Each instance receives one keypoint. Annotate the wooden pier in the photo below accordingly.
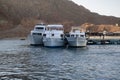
(100, 40)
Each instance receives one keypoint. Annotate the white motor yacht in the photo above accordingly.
(36, 35)
(76, 38)
(54, 36)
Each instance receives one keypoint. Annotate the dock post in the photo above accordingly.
(104, 33)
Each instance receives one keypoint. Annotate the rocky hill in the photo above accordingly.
(26, 13)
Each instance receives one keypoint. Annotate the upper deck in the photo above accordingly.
(40, 27)
(54, 27)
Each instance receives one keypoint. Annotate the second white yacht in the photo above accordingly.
(53, 36)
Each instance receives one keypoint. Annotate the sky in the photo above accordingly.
(103, 7)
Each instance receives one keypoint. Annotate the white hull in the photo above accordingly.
(76, 42)
(36, 40)
(53, 42)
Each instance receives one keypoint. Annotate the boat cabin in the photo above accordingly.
(40, 27)
(54, 31)
(76, 32)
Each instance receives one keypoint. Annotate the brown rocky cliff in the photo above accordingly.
(101, 28)
(27, 12)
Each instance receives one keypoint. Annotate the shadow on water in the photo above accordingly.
(19, 61)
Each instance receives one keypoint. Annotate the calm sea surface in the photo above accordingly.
(19, 61)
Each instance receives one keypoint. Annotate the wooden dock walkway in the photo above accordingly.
(99, 40)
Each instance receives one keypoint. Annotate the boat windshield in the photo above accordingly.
(39, 28)
(81, 35)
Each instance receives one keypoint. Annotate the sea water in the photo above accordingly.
(20, 61)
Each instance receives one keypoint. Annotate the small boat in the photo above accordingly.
(53, 36)
(76, 38)
(36, 35)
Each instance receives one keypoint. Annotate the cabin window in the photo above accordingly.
(39, 28)
(68, 35)
(34, 33)
(77, 35)
(72, 35)
(52, 34)
(39, 33)
(81, 35)
(44, 34)
(61, 35)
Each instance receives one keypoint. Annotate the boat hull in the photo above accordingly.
(53, 42)
(76, 42)
(36, 40)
